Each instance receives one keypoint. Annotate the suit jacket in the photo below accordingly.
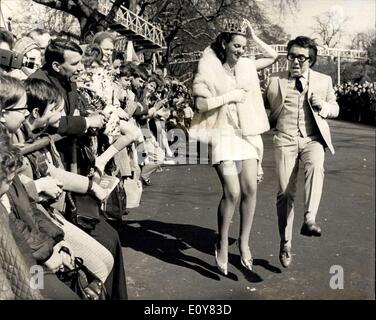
(319, 84)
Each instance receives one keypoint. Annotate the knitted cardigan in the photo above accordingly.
(211, 80)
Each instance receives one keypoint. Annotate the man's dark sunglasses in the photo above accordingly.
(301, 58)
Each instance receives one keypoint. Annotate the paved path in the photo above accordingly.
(168, 241)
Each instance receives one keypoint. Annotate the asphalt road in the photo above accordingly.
(168, 242)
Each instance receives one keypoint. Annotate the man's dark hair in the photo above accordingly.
(6, 36)
(56, 47)
(40, 93)
(307, 43)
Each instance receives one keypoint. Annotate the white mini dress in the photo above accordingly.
(228, 144)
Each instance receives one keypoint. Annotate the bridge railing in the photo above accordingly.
(133, 22)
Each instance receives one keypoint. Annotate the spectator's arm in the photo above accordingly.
(72, 126)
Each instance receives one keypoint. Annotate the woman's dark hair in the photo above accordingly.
(93, 53)
(158, 81)
(40, 94)
(307, 43)
(142, 72)
(217, 45)
(11, 91)
(126, 69)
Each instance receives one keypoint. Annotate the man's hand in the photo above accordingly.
(96, 120)
(316, 101)
(49, 186)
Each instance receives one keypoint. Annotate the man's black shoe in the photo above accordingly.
(285, 256)
(310, 229)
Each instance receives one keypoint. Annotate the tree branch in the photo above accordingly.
(216, 14)
(197, 35)
(67, 6)
(145, 4)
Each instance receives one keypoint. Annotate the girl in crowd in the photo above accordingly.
(231, 115)
(99, 90)
(15, 284)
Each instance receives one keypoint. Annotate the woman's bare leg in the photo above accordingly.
(228, 176)
(248, 186)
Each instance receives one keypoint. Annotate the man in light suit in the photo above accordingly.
(300, 100)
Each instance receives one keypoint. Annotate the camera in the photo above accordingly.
(14, 60)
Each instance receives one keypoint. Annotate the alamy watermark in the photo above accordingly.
(36, 279)
(336, 281)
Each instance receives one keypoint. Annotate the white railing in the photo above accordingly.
(131, 21)
(281, 49)
(343, 53)
(326, 52)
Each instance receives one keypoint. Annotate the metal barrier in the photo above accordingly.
(191, 57)
(39, 144)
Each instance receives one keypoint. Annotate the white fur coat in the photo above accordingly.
(211, 80)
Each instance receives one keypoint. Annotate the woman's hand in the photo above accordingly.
(55, 262)
(49, 186)
(252, 31)
(237, 95)
(100, 193)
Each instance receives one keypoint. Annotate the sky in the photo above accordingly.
(361, 13)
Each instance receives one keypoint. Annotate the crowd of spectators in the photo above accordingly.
(99, 122)
(357, 101)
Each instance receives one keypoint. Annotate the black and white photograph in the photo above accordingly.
(187, 154)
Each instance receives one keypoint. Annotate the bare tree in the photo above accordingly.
(363, 40)
(330, 28)
(188, 25)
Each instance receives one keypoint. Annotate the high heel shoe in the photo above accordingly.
(248, 264)
(222, 268)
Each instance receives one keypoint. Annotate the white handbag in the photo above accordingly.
(133, 191)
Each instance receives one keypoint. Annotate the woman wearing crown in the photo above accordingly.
(230, 118)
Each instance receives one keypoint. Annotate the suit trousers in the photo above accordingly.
(288, 152)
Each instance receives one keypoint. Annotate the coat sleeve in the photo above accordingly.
(40, 245)
(72, 126)
(331, 99)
